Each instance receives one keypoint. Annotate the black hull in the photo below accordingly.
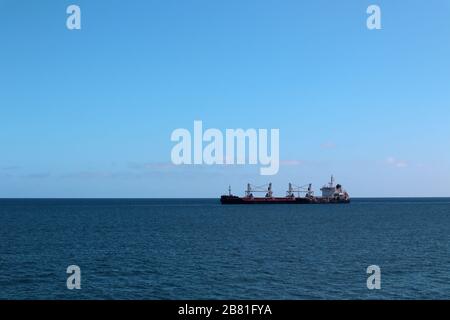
(314, 200)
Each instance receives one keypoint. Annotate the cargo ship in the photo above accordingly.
(331, 194)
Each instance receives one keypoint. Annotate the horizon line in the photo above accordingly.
(194, 198)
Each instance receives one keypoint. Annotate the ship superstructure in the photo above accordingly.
(333, 191)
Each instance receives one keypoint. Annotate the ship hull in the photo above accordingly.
(285, 200)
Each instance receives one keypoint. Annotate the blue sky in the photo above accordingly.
(89, 113)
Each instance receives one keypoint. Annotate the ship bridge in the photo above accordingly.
(329, 189)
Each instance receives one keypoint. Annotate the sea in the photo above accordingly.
(200, 249)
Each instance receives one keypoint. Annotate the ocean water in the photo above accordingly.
(199, 249)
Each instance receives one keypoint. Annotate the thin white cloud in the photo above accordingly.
(291, 162)
(9, 168)
(328, 145)
(150, 165)
(394, 162)
(42, 175)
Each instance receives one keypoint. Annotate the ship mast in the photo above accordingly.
(290, 191)
(269, 191)
(310, 193)
(248, 192)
